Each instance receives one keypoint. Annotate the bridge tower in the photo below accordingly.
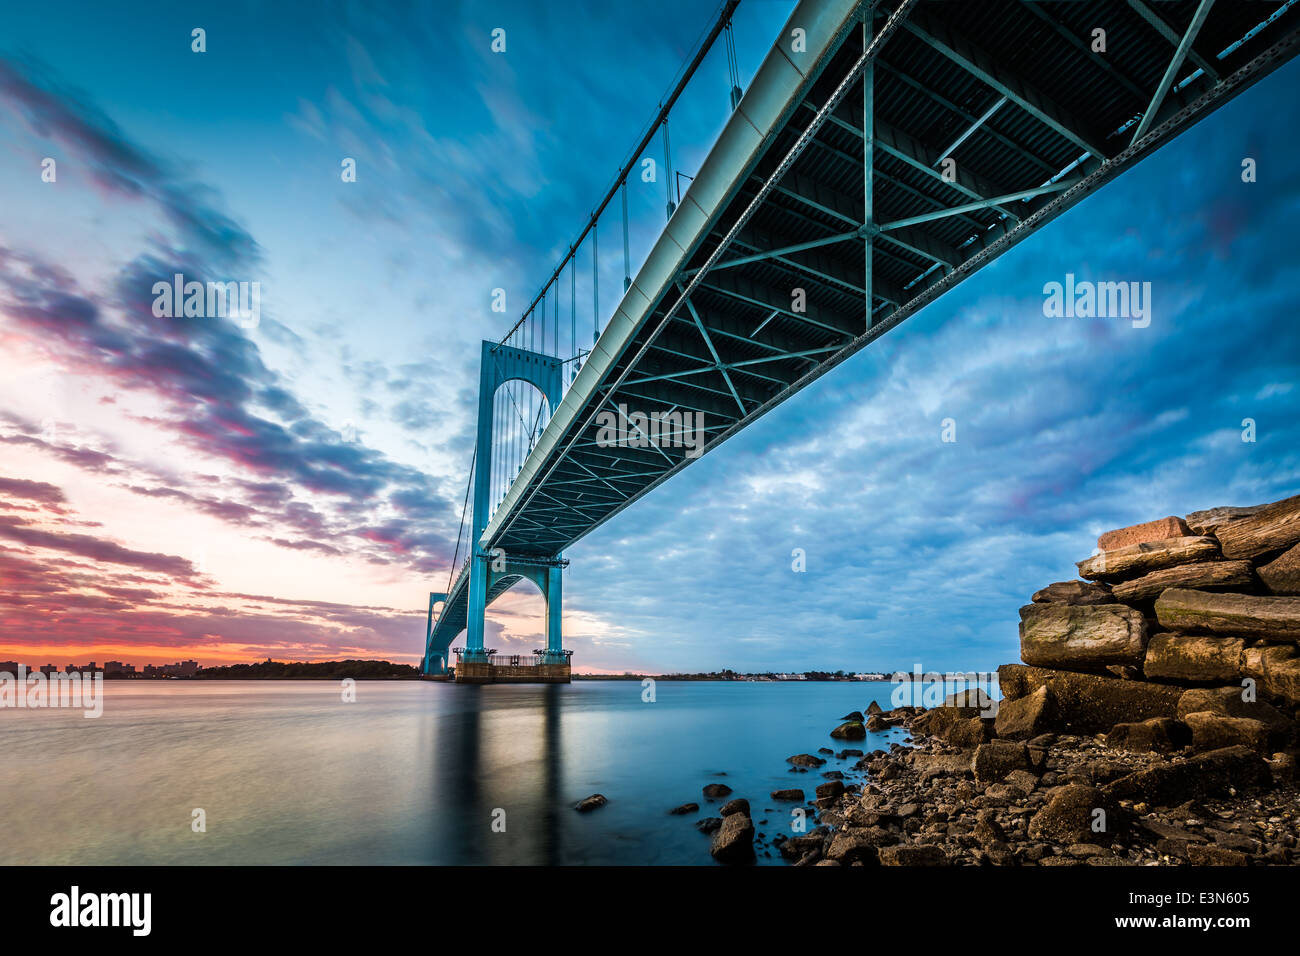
(494, 569)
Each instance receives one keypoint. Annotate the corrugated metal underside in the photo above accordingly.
(739, 346)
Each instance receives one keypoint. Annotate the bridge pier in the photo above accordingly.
(490, 571)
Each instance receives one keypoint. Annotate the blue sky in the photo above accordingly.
(293, 490)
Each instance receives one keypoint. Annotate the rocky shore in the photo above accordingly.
(1152, 721)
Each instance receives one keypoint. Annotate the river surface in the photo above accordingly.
(412, 772)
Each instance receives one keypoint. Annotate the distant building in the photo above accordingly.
(49, 670)
(118, 668)
(9, 667)
(179, 669)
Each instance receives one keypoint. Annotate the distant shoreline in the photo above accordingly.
(387, 670)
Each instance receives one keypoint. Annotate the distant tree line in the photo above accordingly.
(322, 670)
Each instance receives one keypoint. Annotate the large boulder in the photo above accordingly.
(1194, 658)
(1091, 703)
(1202, 574)
(1029, 716)
(1081, 638)
(969, 734)
(1271, 528)
(973, 700)
(859, 844)
(1230, 702)
(1282, 574)
(913, 854)
(1212, 731)
(831, 789)
(1157, 530)
(1073, 814)
(992, 761)
(733, 842)
(939, 721)
(1209, 522)
(1074, 592)
(1138, 559)
(1206, 775)
(1157, 735)
(1275, 669)
(1237, 615)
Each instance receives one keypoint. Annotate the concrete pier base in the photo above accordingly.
(485, 672)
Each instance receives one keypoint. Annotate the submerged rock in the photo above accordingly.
(803, 760)
(715, 791)
(684, 809)
(593, 802)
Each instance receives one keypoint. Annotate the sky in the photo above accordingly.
(192, 488)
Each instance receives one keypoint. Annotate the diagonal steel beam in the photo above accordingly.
(1097, 59)
(1057, 186)
(717, 360)
(985, 67)
(783, 251)
(1158, 23)
(1175, 64)
(969, 131)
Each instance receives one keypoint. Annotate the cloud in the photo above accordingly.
(96, 549)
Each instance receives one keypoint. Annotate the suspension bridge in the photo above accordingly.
(883, 152)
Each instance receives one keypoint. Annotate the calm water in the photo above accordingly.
(411, 773)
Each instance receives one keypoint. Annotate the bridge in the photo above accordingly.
(884, 151)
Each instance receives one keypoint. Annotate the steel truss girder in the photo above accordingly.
(986, 68)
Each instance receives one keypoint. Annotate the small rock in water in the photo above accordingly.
(855, 715)
(715, 790)
(804, 760)
(850, 730)
(593, 802)
(708, 824)
(684, 808)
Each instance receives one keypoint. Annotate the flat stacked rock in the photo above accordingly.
(1153, 719)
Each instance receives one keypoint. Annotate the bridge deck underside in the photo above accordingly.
(1011, 91)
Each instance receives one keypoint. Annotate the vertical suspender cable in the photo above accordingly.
(627, 255)
(595, 284)
(733, 67)
(668, 169)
